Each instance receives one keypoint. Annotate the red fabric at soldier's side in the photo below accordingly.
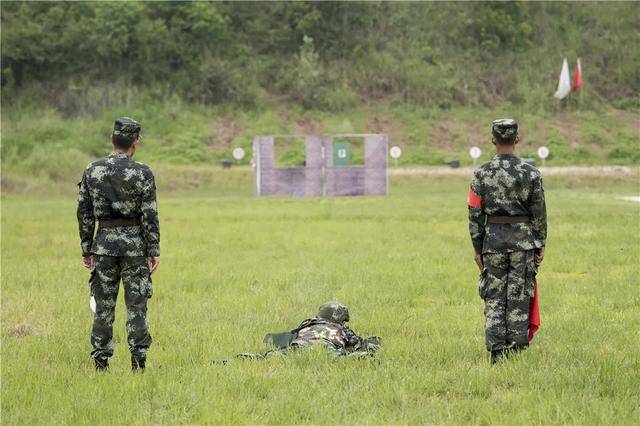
(534, 312)
(474, 200)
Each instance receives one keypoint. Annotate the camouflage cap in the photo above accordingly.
(504, 128)
(128, 127)
(334, 312)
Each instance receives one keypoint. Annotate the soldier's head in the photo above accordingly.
(334, 312)
(126, 134)
(504, 132)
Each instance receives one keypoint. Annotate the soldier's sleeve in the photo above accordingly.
(150, 223)
(476, 214)
(86, 220)
(538, 210)
(352, 340)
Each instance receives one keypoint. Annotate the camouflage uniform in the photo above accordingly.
(507, 187)
(117, 188)
(328, 328)
(337, 337)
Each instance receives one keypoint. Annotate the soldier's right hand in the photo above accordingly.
(539, 257)
(153, 262)
(88, 262)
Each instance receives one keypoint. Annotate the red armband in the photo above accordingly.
(474, 200)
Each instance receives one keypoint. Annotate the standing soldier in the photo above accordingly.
(508, 226)
(121, 195)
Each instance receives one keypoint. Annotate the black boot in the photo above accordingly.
(520, 347)
(102, 364)
(513, 349)
(496, 356)
(137, 364)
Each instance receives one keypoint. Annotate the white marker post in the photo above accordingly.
(238, 154)
(395, 152)
(475, 153)
(543, 153)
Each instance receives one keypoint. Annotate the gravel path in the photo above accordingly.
(632, 198)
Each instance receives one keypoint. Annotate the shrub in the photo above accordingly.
(314, 86)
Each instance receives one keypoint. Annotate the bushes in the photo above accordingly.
(629, 104)
(315, 86)
(219, 82)
(435, 55)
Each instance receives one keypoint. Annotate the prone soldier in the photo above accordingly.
(120, 194)
(508, 227)
(329, 328)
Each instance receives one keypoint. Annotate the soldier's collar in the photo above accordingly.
(116, 154)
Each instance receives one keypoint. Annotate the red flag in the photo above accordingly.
(534, 312)
(577, 78)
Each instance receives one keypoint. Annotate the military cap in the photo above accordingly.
(127, 127)
(504, 129)
(334, 312)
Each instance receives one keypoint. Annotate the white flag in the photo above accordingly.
(564, 85)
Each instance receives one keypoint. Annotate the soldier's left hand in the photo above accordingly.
(88, 262)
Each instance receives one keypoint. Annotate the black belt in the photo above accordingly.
(112, 223)
(508, 219)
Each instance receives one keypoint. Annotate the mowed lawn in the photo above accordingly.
(234, 267)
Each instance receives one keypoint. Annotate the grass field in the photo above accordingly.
(235, 267)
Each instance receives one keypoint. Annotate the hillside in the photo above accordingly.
(206, 77)
(43, 145)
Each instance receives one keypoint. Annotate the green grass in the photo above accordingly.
(235, 267)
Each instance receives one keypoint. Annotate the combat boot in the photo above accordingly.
(513, 349)
(138, 364)
(102, 364)
(496, 356)
(520, 347)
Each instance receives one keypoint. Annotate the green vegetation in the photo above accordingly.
(323, 55)
(205, 77)
(236, 267)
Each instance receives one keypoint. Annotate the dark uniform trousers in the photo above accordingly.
(105, 283)
(507, 285)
